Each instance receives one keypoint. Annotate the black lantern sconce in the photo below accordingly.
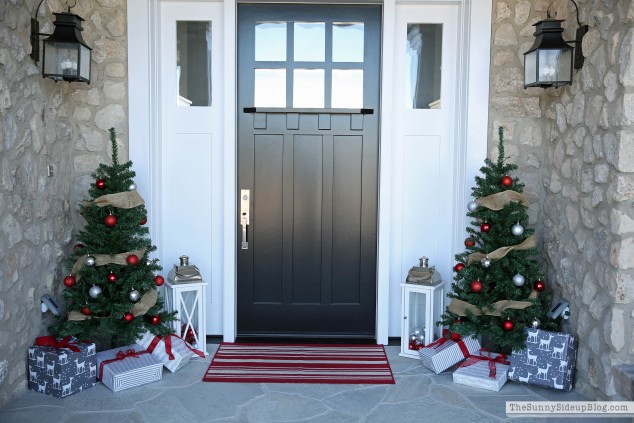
(549, 62)
(66, 56)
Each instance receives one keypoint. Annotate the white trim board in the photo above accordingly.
(144, 135)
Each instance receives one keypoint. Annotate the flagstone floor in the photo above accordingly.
(418, 396)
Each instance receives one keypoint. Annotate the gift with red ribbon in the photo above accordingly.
(486, 370)
(448, 350)
(172, 350)
(123, 368)
(61, 366)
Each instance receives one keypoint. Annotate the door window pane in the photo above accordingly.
(424, 55)
(347, 42)
(270, 88)
(193, 63)
(309, 41)
(308, 88)
(270, 41)
(347, 88)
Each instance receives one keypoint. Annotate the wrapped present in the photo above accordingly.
(444, 352)
(171, 350)
(547, 360)
(61, 367)
(487, 370)
(127, 367)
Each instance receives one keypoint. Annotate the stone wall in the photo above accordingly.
(44, 124)
(575, 149)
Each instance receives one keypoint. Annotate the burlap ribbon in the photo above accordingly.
(122, 200)
(529, 242)
(104, 259)
(147, 301)
(499, 200)
(460, 307)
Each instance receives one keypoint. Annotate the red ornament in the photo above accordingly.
(455, 336)
(476, 286)
(412, 345)
(110, 220)
(86, 311)
(156, 320)
(100, 183)
(78, 246)
(143, 221)
(132, 260)
(458, 267)
(190, 336)
(507, 181)
(419, 347)
(508, 325)
(128, 317)
(485, 227)
(112, 278)
(469, 242)
(70, 281)
(159, 280)
(539, 285)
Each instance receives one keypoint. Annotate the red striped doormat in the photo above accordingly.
(285, 363)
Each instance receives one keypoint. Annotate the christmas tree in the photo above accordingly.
(111, 290)
(498, 288)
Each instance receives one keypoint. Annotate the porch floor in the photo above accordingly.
(418, 395)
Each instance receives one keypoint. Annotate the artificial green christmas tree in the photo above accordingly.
(498, 287)
(111, 290)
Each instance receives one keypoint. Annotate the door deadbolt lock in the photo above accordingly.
(245, 203)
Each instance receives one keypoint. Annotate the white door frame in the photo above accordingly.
(144, 135)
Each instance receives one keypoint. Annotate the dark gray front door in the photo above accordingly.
(308, 98)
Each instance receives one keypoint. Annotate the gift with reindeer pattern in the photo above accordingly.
(548, 360)
(61, 367)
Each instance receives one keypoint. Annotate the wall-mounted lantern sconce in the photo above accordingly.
(66, 55)
(549, 62)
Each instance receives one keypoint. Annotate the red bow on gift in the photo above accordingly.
(168, 345)
(121, 355)
(501, 358)
(453, 337)
(51, 341)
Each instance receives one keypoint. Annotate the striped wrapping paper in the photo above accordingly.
(477, 375)
(181, 353)
(441, 358)
(131, 371)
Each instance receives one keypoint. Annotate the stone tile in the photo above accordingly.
(425, 410)
(408, 388)
(497, 408)
(310, 390)
(359, 401)
(280, 408)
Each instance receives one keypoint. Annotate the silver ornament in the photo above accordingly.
(132, 187)
(486, 262)
(149, 262)
(90, 260)
(472, 206)
(95, 291)
(517, 229)
(421, 337)
(134, 295)
(413, 337)
(518, 280)
(535, 323)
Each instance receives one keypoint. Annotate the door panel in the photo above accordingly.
(310, 266)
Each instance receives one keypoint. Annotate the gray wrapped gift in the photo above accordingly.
(61, 367)
(548, 360)
(444, 353)
(127, 367)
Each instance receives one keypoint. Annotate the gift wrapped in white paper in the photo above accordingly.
(127, 367)
(476, 372)
(181, 353)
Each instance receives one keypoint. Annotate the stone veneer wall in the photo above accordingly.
(575, 149)
(48, 124)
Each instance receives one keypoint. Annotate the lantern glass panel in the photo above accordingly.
(530, 67)
(555, 65)
(84, 69)
(60, 58)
